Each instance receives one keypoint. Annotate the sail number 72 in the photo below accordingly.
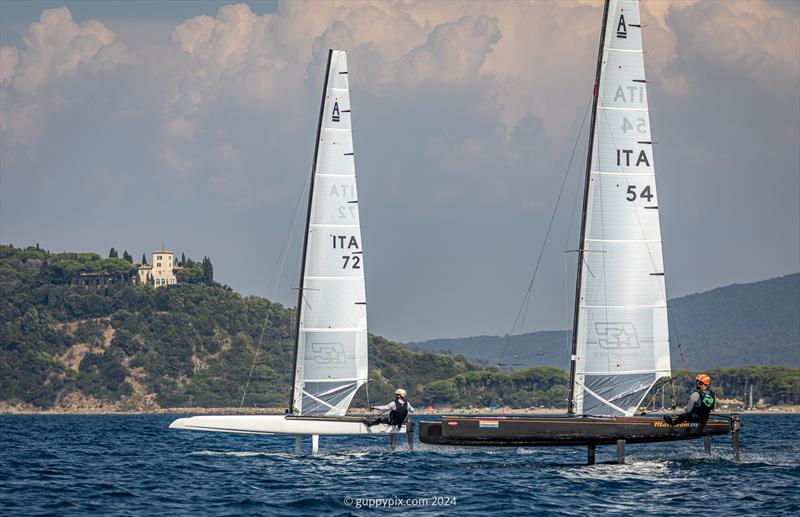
(354, 261)
(645, 193)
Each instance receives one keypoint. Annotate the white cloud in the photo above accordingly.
(182, 167)
(55, 47)
(454, 51)
(180, 127)
(756, 40)
(512, 59)
(56, 50)
(230, 176)
(9, 59)
(464, 112)
(22, 124)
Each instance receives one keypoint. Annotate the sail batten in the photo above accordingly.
(621, 339)
(621, 109)
(328, 329)
(622, 240)
(331, 344)
(604, 372)
(622, 174)
(656, 306)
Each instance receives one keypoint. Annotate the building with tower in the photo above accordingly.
(161, 270)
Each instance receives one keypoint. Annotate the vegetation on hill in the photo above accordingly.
(723, 327)
(192, 344)
(543, 386)
(187, 344)
(543, 348)
(773, 384)
(718, 328)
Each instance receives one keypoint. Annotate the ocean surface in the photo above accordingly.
(135, 465)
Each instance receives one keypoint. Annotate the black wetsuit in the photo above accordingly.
(398, 411)
(701, 403)
(398, 415)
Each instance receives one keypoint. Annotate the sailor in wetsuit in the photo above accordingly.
(700, 405)
(398, 410)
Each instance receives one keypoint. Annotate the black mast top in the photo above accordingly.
(581, 243)
(308, 222)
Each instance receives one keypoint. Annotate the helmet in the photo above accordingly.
(703, 379)
(401, 392)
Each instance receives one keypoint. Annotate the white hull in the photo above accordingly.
(280, 424)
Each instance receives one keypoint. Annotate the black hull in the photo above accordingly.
(545, 430)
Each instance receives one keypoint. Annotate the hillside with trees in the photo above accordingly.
(715, 329)
(190, 344)
(131, 346)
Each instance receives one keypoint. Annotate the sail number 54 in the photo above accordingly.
(641, 125)
(644, 193)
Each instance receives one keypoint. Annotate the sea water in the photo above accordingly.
(135, 465)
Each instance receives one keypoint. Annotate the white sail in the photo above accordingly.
(622, 341)
(331, 355)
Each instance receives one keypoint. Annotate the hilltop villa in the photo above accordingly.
(162, 270)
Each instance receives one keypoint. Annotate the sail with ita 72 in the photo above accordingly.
(330, 361)
(331, 343)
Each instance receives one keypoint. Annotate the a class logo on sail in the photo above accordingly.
(335, 115)
(328, 353)
(615, 335)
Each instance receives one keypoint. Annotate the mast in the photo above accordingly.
(305, 235)
(581, 243)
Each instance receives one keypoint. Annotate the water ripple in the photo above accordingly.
(134, 465)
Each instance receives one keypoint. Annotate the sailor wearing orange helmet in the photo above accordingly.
(700, 405)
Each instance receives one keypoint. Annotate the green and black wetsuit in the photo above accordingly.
(699, 407)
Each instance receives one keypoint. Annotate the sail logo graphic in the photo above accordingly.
(328, 353)
(335, 115)
(621, 335)
(622, 29)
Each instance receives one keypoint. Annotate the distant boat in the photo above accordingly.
(330, 361)
(620, 346)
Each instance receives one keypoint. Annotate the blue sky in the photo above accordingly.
(129, 124)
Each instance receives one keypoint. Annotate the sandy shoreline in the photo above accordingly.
(776, 410)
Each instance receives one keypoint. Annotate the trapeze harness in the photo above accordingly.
(398, 415)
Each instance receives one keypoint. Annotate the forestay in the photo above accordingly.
(622, 346)
(331, 354)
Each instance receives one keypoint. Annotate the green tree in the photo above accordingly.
(195, 343)
(439, 392)
(127, 256)
(183, 259)
(208, 271)
(144, 259)
(112, 253)
(190, 275)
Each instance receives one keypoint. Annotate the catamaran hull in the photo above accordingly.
(281, 424)
(543, 430)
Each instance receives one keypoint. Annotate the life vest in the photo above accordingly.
(398, 415)
(702, 408)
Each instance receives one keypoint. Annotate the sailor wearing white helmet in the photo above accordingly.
(398, 410)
